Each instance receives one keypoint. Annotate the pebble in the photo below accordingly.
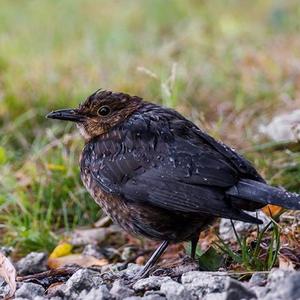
(202, 283)
(34, 262)
(100, 293)
(29, 290)
(283, 285)
(93, 250)
(82, 280)
(120, 291)
(176, 291)
(150, 283)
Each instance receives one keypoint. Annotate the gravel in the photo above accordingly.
(117, 281)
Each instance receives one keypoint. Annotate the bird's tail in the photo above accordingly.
(265, 194)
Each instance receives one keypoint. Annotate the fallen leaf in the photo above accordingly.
(272, 210)
(285, 263)
(78, 259)
(8, 272)
(62, 249)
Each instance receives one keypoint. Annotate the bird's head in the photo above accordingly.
(99, 112)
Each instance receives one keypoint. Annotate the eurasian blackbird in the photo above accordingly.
(158, 175)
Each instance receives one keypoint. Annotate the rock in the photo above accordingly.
(117, 267)
(202, 283)
(6, 250)
(4, 288)
(175, 291)
(100, 293)
(154, 295)
(34, 262)
(120, 291)
(92, 250)
(276, 276)
(150, 283)
(82, 280)
(235, 290)
(226, 231)
(128, 253)
(282, 285)
(215, 296)
(260, 291)
(131, 270)
(284, 127)
(29, 290)
(258, 279)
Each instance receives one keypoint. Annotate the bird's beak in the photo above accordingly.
(67, 115)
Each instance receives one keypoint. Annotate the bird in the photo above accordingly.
(158, 175)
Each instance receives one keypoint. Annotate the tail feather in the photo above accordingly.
(262, 193)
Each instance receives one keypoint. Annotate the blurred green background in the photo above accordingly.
(227, 65)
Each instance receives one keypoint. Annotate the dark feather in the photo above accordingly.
(154, 164)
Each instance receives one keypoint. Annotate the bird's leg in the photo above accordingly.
(153, 259)
(194, 242)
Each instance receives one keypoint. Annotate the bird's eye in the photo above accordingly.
(103, 110)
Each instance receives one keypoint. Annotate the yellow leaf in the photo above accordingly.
(62, 249)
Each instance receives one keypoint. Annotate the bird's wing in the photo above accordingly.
(168, 172)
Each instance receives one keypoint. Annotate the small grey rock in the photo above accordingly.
(92, 250)
(120, 291)
(6, 250)
(128, 253)
(277, 276)
(4, 288)
(226, 231)
(100, 293)
(258, 279)
(117, 267)
(286, 288)
(150, 283)
(83, 279)
(154, 295)
(202, 283)
(236, 290)
(131, 270)
(260, 291)
(29, 290)
(215, 296)
(175, 291)
(34, 262)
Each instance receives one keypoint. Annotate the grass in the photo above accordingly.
(255, 255)
(227, 66)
